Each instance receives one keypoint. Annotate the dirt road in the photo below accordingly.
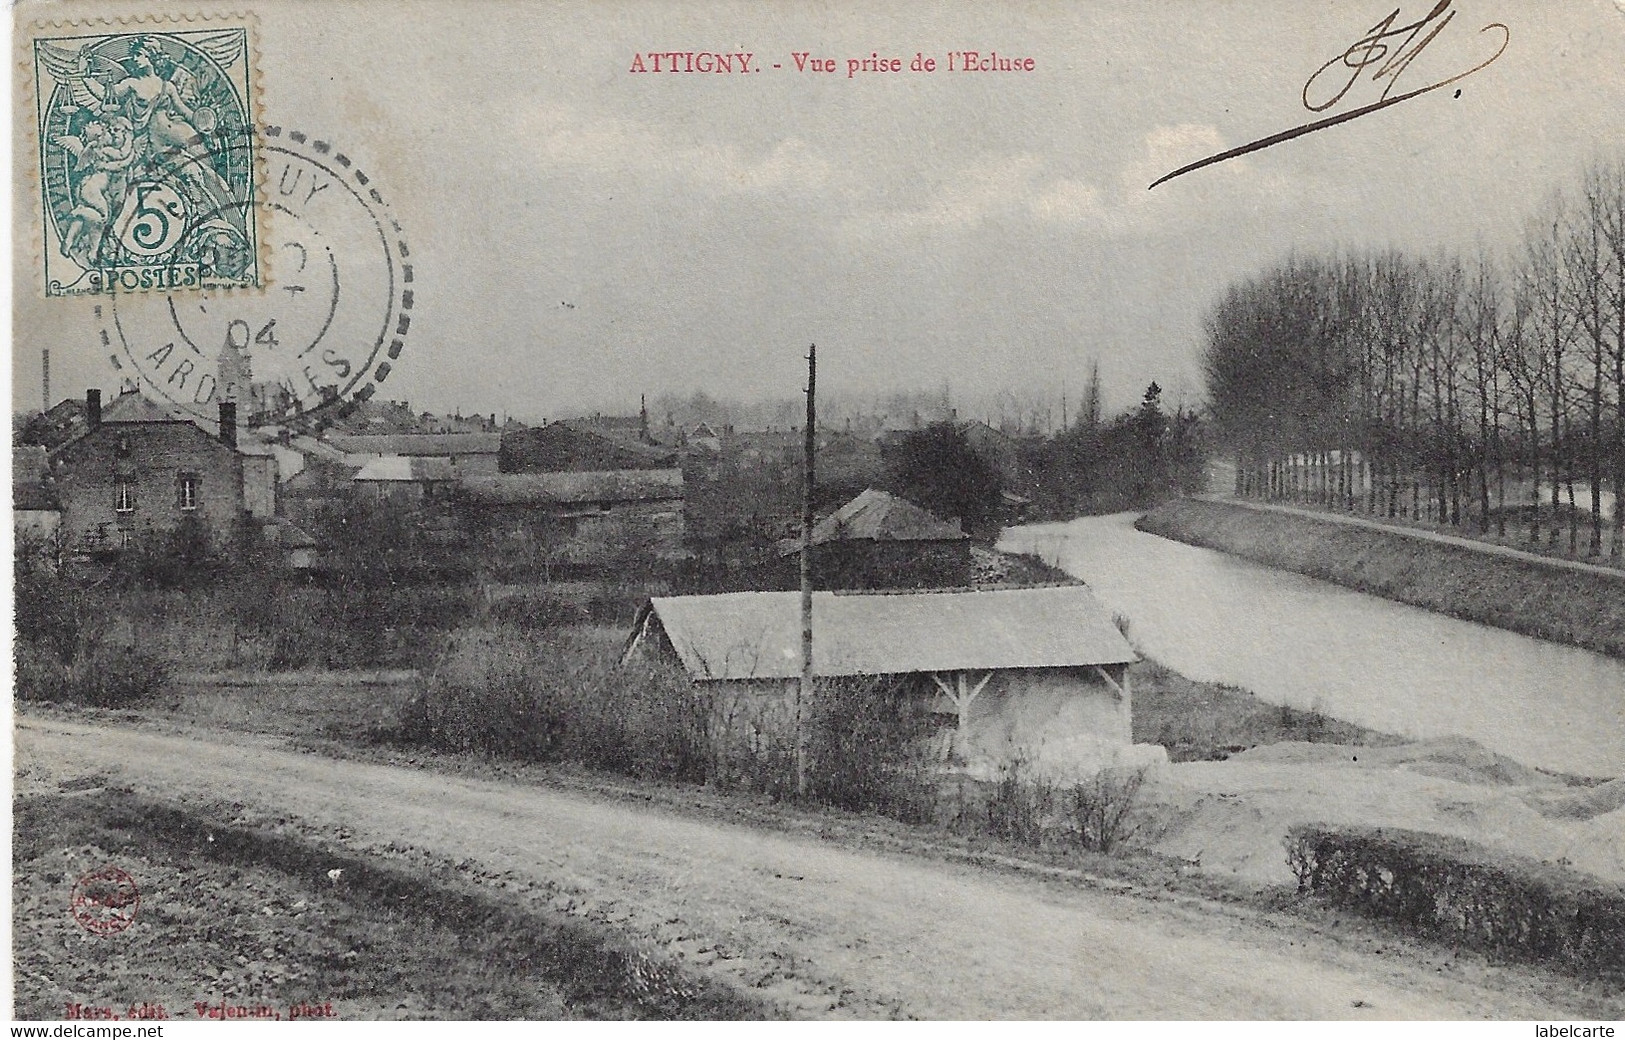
(830, 931)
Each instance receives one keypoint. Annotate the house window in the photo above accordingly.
(124, 497)
(125, 537)
(186, 488)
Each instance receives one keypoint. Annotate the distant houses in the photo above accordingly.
(587, 493)
(405, 479)
(574, 522)
(474, 454)
(1039, 674)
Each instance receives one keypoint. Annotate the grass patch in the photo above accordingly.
(236, 916)
(1204, 721)
(1574, 608)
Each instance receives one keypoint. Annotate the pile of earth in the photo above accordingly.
(1231, 817)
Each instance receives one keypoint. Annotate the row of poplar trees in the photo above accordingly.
(1485, 392)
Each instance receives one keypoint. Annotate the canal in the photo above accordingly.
(1294, 640)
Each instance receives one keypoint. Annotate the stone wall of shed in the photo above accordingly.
(1060, 722)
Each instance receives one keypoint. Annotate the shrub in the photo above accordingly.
(1020, 806)
(1095, 815)
(1103, 809)
(868, 748)
(498, 691)
(97, 675)
(1463, 893)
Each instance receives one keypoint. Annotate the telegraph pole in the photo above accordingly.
(804, 694)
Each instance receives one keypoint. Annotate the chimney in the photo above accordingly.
(93, 408)
(228, 423)
(45, 379)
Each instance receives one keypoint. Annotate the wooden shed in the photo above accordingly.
(1035, 673)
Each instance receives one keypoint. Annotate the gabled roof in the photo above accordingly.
(757, 635)
(59, 423)
(139, 408)
(402, 468)
(882, 517)
(422, 445)
(620, 485)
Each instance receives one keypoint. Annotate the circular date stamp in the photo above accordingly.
(325, 331)
(105, 901)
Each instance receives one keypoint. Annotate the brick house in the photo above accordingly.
(141, 468)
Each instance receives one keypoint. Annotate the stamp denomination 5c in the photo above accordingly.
(147, 161)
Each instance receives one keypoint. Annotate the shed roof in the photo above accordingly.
(620, 485)
(423, 445)
(757, 635)
(406, 469)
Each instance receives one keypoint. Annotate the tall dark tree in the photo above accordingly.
(937, 469)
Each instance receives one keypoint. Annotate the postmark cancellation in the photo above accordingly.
(147, 155)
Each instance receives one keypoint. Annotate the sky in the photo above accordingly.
(583, 234)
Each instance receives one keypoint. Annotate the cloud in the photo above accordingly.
(996, 187)
(614, 147)
(1067, 201)
(1233, 190)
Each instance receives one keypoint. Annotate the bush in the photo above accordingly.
(97, 675)
(1463, 893)
(502, 692)
(1103, 809)
(1094, 815)
(868, 748)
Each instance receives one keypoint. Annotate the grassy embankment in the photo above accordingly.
(270, 922)
(1552, 603)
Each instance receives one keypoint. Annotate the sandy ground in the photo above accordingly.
(1230, 817)
(826, 930)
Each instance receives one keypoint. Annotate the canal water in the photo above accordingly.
(1297, 641)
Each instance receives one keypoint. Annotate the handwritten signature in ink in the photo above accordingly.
(1387, 51)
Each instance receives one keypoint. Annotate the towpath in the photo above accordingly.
(1422, 534)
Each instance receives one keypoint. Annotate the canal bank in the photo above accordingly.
(1314, 645)
(1572, 605)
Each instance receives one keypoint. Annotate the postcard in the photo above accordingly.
(818, 511)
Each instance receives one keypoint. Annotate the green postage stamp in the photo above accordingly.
(147, 159)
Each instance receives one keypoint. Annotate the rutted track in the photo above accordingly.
(827, 930)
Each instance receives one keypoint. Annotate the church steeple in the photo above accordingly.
(234, 373)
